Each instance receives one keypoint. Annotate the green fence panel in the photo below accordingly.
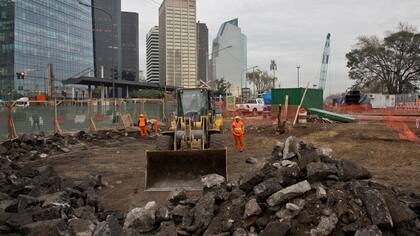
(314, 97)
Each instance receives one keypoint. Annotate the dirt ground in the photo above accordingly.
(122, 163)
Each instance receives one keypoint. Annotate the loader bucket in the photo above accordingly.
(171, 170)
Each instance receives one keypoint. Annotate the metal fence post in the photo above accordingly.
(57, 129)
(142, 107)
(163, 102)
(92, 126)
(11, 124)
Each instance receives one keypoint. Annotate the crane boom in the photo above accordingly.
(325, 62)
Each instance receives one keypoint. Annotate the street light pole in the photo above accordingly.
(112, 42)
(298, 75)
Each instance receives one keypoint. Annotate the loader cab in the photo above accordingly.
(193, 103)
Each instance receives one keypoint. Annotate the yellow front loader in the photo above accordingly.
(191, 148)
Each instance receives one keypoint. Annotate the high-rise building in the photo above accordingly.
(107, 38)
(152, 55)
(203, 51)
(36, 33)
(229, 56)
(178, 43)
(130, 46)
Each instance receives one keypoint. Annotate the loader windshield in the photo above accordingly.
(193, 104)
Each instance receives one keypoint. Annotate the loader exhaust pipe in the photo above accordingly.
(172, 170)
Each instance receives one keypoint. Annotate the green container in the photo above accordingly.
(314, 97)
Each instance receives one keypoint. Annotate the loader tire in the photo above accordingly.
(164, 143)
(217, 142)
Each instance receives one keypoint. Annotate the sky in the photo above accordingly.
(293, 32)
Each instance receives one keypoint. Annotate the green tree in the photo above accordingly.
(391, 65)
(147, 93)
(261, 79)
(222, 87)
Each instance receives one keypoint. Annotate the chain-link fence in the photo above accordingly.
(17, 118)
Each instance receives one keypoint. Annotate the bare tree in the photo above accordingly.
(391, 65)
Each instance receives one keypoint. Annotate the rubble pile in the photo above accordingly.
(39, 146)
(36, 201)
(301, 190)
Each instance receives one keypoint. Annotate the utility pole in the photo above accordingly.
(298, 74)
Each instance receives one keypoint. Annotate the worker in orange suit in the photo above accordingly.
(142, 122)
(153, 126)
(156, 127)
(238, 131)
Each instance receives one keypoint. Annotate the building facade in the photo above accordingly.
(202, 51)
(178, 43)
(107, 38)
(229, 56)
(130, 46)
(152, 56)
(36, 33)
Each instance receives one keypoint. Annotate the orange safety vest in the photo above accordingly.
(142, 122)
(238, 128)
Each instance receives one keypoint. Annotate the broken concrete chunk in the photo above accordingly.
(289, 193)
(81, 227)
(141, 220)
(179, 212)
(326, 226)
(325, 152)
(25, 201)
(276, 228)
(240, 232)
(167, 229)
(201, 215)
(267, 188)
(348, 170)
(292, 207)
(251, 160)
(51, 227)
(289, 212)
(249, 180)
(321, 193)
(372, 230)
(252, 208)
(400, 213)
(320, 171)
(212, 180)
(291, 148)
(176, 196)
(376, 206)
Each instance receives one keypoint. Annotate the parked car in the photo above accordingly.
(254, 106)
(22, 102)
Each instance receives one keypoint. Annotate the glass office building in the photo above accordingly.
(35, 33)
(229, 56)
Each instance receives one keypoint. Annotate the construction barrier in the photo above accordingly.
(59, 116)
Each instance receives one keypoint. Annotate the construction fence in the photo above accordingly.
(64, 116)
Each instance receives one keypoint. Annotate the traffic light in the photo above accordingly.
(20, 75)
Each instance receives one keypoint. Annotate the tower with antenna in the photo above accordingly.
(325, 62)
